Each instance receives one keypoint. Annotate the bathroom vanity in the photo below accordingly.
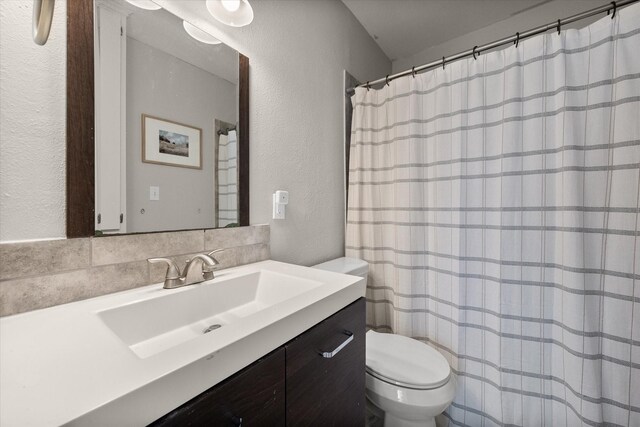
(294, 385)
(267, 343)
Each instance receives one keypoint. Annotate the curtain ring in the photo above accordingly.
(614, 10)
(443, 62)
(386, 80)
(517, 40)
(368, 86)
(558, 27)
(413, 71)
(474, 53)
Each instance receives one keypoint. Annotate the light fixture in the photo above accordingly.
(198, 34)
(236, 13)
(230, 5)
(144, 4)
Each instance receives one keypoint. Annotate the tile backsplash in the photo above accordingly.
(42, 274)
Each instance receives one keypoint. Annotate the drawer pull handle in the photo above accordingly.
(330, 354)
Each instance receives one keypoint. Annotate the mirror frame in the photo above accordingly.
(80, 122)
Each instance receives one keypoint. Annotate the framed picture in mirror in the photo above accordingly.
(165, 142)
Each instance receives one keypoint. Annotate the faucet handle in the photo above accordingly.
(215, 252)
(207, 272)
(173, 272)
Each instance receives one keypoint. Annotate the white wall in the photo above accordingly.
(191, 96)
(540, 15)
(32, 125)
(297, 49)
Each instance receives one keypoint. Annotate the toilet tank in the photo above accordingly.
(344, 265)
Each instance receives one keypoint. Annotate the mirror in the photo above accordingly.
(167, 120)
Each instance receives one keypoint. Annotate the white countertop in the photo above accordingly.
(63, 365)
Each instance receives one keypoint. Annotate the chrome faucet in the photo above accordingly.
(175, 279)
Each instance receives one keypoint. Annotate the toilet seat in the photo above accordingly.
(410, 404)
(405, 362)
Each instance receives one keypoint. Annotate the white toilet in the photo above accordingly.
(407, 379)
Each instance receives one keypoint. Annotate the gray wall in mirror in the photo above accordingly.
(171, 76)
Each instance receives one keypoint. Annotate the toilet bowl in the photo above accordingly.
(406, 379)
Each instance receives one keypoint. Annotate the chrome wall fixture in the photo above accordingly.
(42, 17)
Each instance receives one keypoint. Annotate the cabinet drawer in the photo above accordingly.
(329, 389)
(253, 397)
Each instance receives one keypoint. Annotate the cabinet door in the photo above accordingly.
(329, 389)
(253, 397)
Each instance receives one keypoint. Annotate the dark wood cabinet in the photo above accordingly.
(328, 390)
(253, 397)
(316, 379)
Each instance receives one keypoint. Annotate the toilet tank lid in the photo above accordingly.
(345, 265)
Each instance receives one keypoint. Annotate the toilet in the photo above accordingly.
(409, 381)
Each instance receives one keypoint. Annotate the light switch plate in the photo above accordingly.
(154, 193)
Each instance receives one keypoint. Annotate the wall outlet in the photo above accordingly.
(154, 193)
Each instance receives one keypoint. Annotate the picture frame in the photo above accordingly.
(170, 143)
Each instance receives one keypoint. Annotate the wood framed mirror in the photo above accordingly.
(81, 126)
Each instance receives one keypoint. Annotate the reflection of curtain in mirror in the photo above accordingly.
(227, 180)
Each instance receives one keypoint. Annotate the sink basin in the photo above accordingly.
(151, 326)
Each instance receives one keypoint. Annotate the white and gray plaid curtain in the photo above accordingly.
(496, 202)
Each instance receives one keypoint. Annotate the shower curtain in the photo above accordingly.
(496, 202)
(228, 180)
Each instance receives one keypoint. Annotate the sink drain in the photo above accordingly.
(211, 328)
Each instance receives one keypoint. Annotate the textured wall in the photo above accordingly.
(298, 50)
(32, 125)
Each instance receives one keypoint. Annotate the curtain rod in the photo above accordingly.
(507, 40)
(226, 131)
